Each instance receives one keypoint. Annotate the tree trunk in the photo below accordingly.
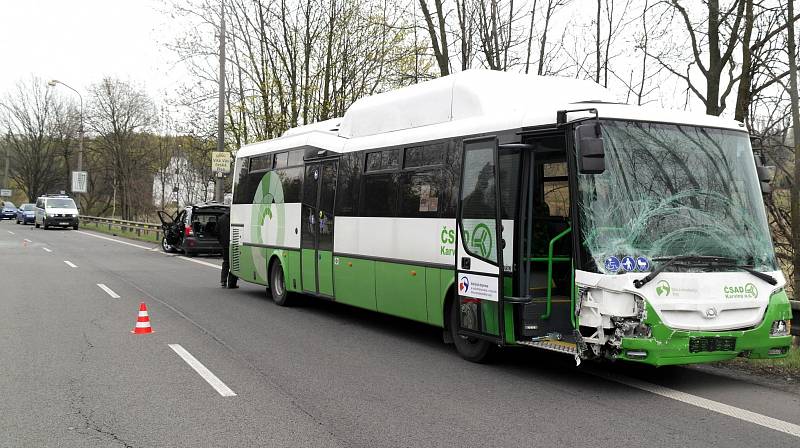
(743, 96)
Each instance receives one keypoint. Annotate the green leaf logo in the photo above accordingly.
(663, 288)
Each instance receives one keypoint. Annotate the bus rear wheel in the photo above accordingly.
(277, 286)
(469, 348)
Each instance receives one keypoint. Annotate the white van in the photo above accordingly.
(56, 211)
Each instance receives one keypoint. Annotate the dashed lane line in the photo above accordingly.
(70, 264)
(108, 291)
(27, 240)
(207, 375)
(705, 403)
(10, 232)
(46, 249)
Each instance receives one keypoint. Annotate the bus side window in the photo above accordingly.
(509, 184)
(379, 195)
(556, 189)
(347, 191)
(292, 183)
(420, 194)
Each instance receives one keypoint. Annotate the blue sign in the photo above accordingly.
(612, 264)
(628, 264)
(642, 264)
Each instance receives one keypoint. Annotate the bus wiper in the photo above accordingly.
(766, 277)
(682, 259)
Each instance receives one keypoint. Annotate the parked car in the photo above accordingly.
(26, 214)
(56, 210)
(9, 211)
(192, 230)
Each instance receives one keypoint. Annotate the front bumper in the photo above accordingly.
(57, 221)
(667, 346)
(8, 216)
(28, 219)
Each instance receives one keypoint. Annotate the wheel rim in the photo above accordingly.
(277, 280)
(165, 245)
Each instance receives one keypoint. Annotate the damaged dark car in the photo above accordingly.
(193, 230)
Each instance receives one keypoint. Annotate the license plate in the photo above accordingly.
(64, 223)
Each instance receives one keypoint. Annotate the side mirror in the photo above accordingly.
(765, 173)
(591, 154)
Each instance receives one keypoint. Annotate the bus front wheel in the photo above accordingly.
(277, 286)
(469, 348)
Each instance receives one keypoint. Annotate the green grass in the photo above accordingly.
(789, 365)
(149, 237)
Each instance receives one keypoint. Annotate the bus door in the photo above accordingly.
(316, 239)
(547, 243)
(479, 243)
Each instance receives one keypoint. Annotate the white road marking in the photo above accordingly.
(111, 239)
(10, 232)
(204, 263)
(705, 403)
(70, 264)
(46, 249)
(27, 240)
(155, 249)
(212, 379)
(108, 291)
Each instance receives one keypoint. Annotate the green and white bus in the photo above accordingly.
(522, 210)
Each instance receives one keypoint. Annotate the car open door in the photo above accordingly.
(479, 243)
(173, 228)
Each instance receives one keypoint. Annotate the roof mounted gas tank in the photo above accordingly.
(464, 95)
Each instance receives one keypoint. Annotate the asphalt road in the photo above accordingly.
(319, 375)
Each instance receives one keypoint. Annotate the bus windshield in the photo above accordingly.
(675, 190)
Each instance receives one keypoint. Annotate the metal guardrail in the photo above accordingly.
(125, 226)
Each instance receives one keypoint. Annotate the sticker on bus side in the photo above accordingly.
(478, 286)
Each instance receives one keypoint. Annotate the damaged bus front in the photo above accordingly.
(676, 260)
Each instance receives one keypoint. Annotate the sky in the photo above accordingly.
(81, 41)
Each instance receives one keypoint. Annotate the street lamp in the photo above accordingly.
(53, 83)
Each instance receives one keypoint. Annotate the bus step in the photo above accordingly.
(553, 345)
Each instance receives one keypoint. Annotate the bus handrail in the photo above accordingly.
(550, 260)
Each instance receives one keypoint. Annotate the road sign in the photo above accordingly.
(80, 181)
(221, 162)
(5, 193)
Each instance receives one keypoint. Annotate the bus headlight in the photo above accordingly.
(780, 328)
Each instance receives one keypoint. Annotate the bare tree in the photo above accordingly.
(438, 34)
(120, 114)
(32, 117)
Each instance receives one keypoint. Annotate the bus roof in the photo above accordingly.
(467, 103)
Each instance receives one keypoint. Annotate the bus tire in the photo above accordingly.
(277, 286)
(471, 349)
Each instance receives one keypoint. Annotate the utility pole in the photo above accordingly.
(219, 181)
(6, 184)
(795, 106)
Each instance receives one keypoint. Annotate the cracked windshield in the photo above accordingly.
(671, 190)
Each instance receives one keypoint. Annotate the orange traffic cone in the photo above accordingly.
(142, 322)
